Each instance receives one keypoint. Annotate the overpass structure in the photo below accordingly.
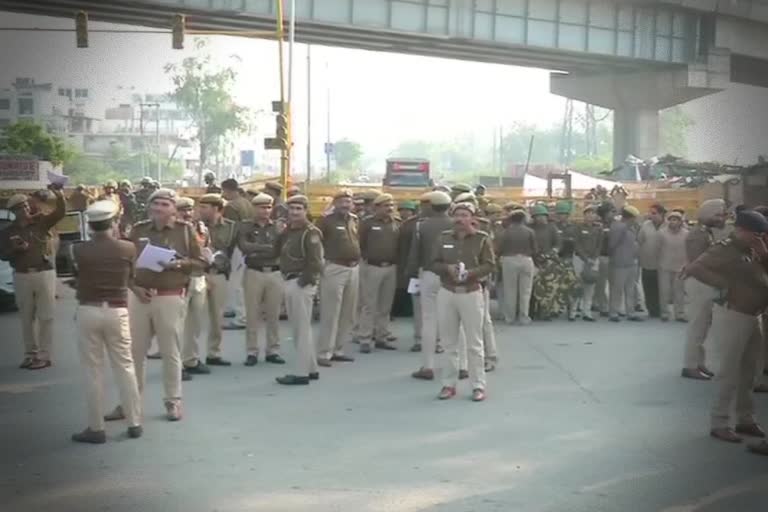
(633, 56)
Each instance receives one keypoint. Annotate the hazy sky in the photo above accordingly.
(378, 99)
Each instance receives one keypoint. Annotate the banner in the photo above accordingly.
(19, 170)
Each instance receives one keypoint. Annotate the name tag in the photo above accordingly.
(341, 228)
(447, 246)
(376, 228)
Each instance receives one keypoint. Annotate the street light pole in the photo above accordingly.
(309, 117)
(328, 124)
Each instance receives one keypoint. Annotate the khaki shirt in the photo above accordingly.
(257, 243)
(516, 239)
(697, 242)
(300, 247)
(239, 209)
(179, 236)
(104, 269)
(425, 236)
(379, 237)
(473, 249)
(588, 241)
(39, 255)
(730, 266)
(341, 240)
(223, 235)
(79, 201)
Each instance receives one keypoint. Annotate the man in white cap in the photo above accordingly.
(28, 245)
(104, 267)
(158, 305)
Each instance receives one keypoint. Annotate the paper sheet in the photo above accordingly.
(413, 286)
(152, 258)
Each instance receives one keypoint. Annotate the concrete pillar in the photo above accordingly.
(635, 132)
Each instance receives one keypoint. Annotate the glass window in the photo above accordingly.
(601, 40)
(626, 18)
(680, 24)
(574, 11)
(663, 23)
(679, 50)
(26, 106)
(543, 9)
(541, 33)
(663, 48)
(512, 7)
(602, 14)
(5, 104)
(81, 93)
(573, 37)
(625, 44)
(510, 30)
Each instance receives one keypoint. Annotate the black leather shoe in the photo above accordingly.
(365, 348)
(275, 359)
(91, 437)
(463, 374)
(198, 369)
(185, 376)
(251, 361)
(383, 345)
(292, 380)
(416, 347)
(314, 376)
(135, 432)
(216, 361)
(342, 359)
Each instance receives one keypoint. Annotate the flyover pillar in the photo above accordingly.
(637, 97)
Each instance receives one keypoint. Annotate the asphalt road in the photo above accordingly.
(579, 418)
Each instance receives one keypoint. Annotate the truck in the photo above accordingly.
(407, 172)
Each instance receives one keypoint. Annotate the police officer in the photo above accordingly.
(547, 235)
(210, 183)
(104, 267)
(79, 200)
(516, 246)
(128, 205)
(736, 268)
(27, 243)
(379, 236)
(407, 230)
(700, 296)
(197, 295)
(425, 237)
(238, 209)
(458, 189)
(623, 250)
(339, 285)
(300, 248)
(462, 257)
(142, 197)
(157, 306)
(223, 236)
(262, 282)
(586, 261)
(606, 213)
(279, 209)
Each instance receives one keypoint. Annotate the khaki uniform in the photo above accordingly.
(425, 237)
(700, 300)
(588, 242)
(197, 299)
(163, 316)
(516, 246)
(405, 238)
(301, 262)
(223, 238)
(104, 268)
(34, 278)
(460, 305)
(601, 297)
(237, 210)
(339, 284)
(743, 297)
(79, 201)
(262, 284)
(378, 276)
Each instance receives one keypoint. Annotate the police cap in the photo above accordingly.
(383, 198)
(342, 193)
(299, 199)
(461, 187)
(185, 203)
(438, 198)
(276, 187)
(101, 211)
(752, 221)
(163, 193)
(262, 200)
(230, 184)
(16, 200)
(212, 199)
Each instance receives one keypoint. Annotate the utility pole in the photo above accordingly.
(309, 117)
(141, 136)
(328, 124)
(501, 156)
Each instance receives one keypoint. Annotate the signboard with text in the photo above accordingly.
(19, 170)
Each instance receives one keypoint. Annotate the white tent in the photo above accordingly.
(533, 185)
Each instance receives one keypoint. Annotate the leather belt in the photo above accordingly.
(32, 270)
(265, 268)
(379, 263)
(343, 263)
(122, 303)
(176, 292)
(474, 287)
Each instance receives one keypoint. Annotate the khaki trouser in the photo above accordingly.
(162, 317)
(700, 297)
(489, 336)
(217, 298)
(737, 338)
(338, 303)
(377, 286)
(193, 320)
(623, 286)
(417, 320)
(584, 303)
(263, 299)
(517, 279)
(462, 311)
(601, 287)
(107, 328)
(298, 306)
(235, 296)
(36, 300)
(671, 290)
(429, 285)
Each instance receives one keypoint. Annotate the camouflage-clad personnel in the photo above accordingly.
(736, 268)
(379, 235)
(27, 243)
(548, 282)
(425, 238)
(211, 187)
(586, 261)
(130, 208)
(300, 248)
(462, 257)
(262, 282)
(157, 305)
(339, 287)
(104, 268)
(142, 197)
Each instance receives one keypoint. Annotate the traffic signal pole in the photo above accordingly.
(285, 152)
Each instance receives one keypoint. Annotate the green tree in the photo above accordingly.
(348, 154)
(674, 125)
(27, 138)
(204, 93)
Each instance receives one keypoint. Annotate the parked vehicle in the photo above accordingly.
(7, 290)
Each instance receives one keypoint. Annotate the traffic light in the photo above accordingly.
(179, 25)
(81, 29)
